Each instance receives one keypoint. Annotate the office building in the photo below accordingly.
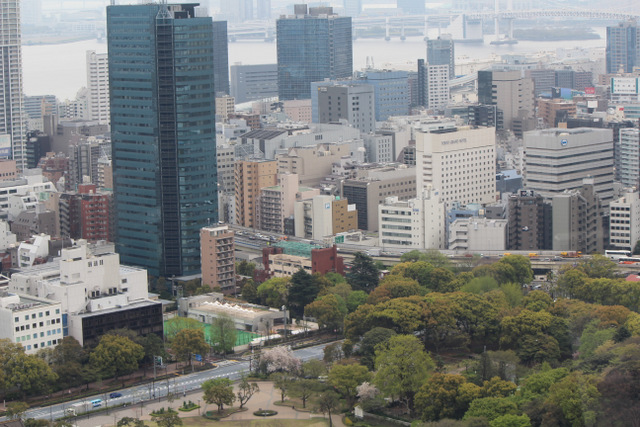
(37, 146)
(436, 86)
(163, 138)
(367, 191)
(298, 110)
(352, 8)
(459, 162)
(350, 101)
(312, 163)
(322, 215)
(543, 80)
(565, 78)
(509, 91)
(624, 221)
(217, 254)
(622, 48)
(98, 85)
(250, 177)
(413, 224)
(263, 9)
(220, 58)
(556, 160)
(312, 47)
(627, 156)
(253, 82)
(577, 220)
(529, 222)
(441, 51)
(34, 323)
(554, 111)
(485, 115)
(13, 118)
(391, 89)
(477, 234)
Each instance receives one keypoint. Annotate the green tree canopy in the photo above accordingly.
(223, 334)
(346, 377)
(218, 391)
(329, 310)
(303, 290)
(274, 291)
(364, 274)
(445, 396)
(188, 342)
(116, 355)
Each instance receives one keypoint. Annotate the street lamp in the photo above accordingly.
(284, 316)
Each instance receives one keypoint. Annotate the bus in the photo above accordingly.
(96, 403)
(629, 260)
(616, 255)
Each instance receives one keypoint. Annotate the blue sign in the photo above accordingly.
(564, 142)
(198, 357)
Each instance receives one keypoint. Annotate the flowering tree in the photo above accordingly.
(279, 359)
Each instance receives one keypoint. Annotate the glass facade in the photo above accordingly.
(161, 76)
(221, 58)
(622, 48)
(441, 51)
(311, 49)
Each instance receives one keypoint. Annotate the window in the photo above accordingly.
(16, 319)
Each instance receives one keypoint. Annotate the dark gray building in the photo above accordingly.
(312, 47)
(252, 82)
(351, 101)
(623, 47)
(529, 222)
(220, 58)
(441, 51)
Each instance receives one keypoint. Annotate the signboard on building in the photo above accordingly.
(590, 90)
(624, 85)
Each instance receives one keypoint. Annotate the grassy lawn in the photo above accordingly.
(242, 337)
(199, 422)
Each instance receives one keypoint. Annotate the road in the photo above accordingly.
(179, 385)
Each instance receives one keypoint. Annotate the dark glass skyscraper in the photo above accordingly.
(220, 58)
(161, 78)
(623, 47)
(312, 47)
(440, 51)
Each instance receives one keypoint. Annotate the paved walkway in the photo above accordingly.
(263, 400)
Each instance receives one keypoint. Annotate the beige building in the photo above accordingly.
(283, 265)
(324, 215)
(460, 162)
(8, 170)
(250, 177)
(298, 110)
(478, 234)
(225, 106)
(312, 163)
(344, 216)
(218, 259)
(276, 203)
(509, 91)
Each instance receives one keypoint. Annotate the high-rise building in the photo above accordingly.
(350, 101)
(218, 258)
(627, 157)
(624, 221)
(98, 85)
(163, 134)
(529, 222)
(263, 9)
(12, 116)
(623, 47)
(352, 8)
(461, 163)
(391, 89)
(252, 82)
(577, 219)
(250, 177)
(557, 160)
(312, 47)
(436, 86)
(220, 58)
(441, 51)
(509, 91)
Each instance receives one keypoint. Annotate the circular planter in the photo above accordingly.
(265, 413)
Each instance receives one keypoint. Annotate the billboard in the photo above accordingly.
(590, 90)
(624, 85)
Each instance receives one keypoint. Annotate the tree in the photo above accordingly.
(345, 378)
(364, 275)
(302, 291)
(177, 324)
(333, 353)
(245, 268)
(304, 389)
(327, 403)
(29, 374)
(491, 408)
(116, 355)
(223, 334)
(521, 266)
(328, 310)
(250, 291)
(577, 396)
(129, 421)
(394, 286)
(282, 381)
(597, 266)
(402, 367)
(15, 410)
(218, 391)
(313, 369)
(445, 396)
(168, 418)
(188, 342)
(67, 359)
(355, 300)
(279, 359)
(369, 342)
(246, 390)
(274, 292)
(369, 396)
(511, 420)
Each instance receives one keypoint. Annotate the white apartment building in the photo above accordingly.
(556, 160)
(7, 238)
(478, 234)
(31, 182)
(460, 162)
(437, 82)
(29, 251)
(313, 217)
(628, 157)
(413, 224)
(34, 323)
(624, 223)
(98, 85)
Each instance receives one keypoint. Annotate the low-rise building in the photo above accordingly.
(478, 234)
(624, 221)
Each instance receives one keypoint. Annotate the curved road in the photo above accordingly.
(179, 385)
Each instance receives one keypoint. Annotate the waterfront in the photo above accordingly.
(60, 69)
